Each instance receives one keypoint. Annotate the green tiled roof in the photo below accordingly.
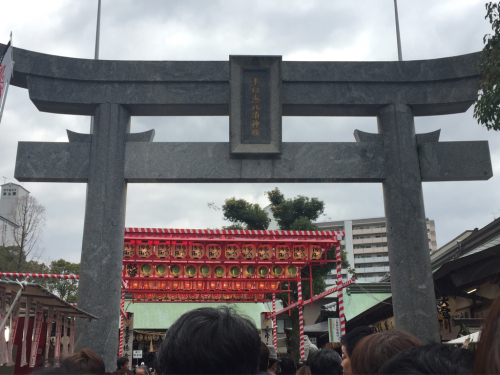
(357, 303)
(163, 315)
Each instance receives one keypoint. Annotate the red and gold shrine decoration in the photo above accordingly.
(128, 250)
(282, 252)
(315, 252)
(196, 251)
(186, 265)
(162, 250)
(144, 250)
(232, 251)
(248, 251)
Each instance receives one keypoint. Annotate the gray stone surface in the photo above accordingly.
(242, 70)
(413, 297)
(210, 162)
(99, 290)
(201, 88)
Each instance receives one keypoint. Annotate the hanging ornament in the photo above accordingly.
(214, 251)
(299, 252)
(248, 271)
(282, 252)
(162, 250)
(128, 250)
(146, 270)
(205, 270)
(315, 252)
(291, 271)
(220, 271)
(144, 250)
(175, 270)
(131, 270)
(265, 252)
(232, 251)
(191, 271)
(234, 271)
(277, 271)
(196, 251)
(180, 250)
(161, 270)
(263, 271)
(248, 251)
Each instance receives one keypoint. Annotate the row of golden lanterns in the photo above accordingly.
(163, 297)
(196, 250)
(212, 285)
(207, 270)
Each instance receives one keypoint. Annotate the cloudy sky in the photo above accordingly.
(314, 30)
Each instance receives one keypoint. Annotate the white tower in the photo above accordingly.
(9, 194)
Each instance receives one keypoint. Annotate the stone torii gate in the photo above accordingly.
(111, 157)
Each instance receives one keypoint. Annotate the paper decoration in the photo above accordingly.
(248, 271)
(220, 271)
(57, 349)
(248, 251)
(162, 250)
(190, 271)
(65, 338)
(214, 251)
(263, 271)
(180, 250)
(232, 251)
(13, 328)
(24, 361)
(37, 329)
(49, 320)
(175, 270)
(132, 270)
(282, 252)
(265, 252)
(205, 270)
(299, 252)
(315, 252)
(146, 270)
(128, 250)
(144, 250)
(196, 251)
(277, 271)
(161, 270)
(234, 271)
(71, 335)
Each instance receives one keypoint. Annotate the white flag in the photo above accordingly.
(6, 69)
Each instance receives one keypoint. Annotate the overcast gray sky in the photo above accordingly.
(315, 30)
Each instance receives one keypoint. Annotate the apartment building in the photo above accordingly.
(366, 245)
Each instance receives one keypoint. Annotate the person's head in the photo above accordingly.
(273, 359)
(210, 341)
(141, 370)
(287, 366)
(326, 361)
(349, 341)
(263, 357)
(488, 348)
(430, 359)
(122, 363)
(85, 362)
(374, 350)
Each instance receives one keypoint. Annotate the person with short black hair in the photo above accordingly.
(430, 359)
(287, 366)
(326, 361)
(123, 365)
(349, 341)
(210, 341)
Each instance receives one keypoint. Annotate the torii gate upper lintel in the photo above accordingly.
(113, 91)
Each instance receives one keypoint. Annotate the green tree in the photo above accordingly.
(10, 260)
(487, 106)
(65, 289)
(291, 214)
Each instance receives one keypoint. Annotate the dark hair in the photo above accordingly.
(430, 359)
(488, 348)
(122, 361)
(210, 341)
(264, 357)
(326, 361)
(349, 340)
(374, 350)
(85, 362)
(287, 366)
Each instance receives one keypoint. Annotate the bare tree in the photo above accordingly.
(29, 215)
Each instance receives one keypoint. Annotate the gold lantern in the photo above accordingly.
(248, 251)
(144, 250)
(214, 251)
(234, 271)
(282, 252)
(220, 271)
(128, 250)
(180, 250)
(299, 252)
(315, 252)
(196, 251)
(131, 270)
(146, 270)
(265, 252)
(205, 270)
(190, 271)
(232, 251)
(175, 270)
(162, 250)
(248, 271)
(263, 271)
(161, 270)
(291, 271)
(276, 271)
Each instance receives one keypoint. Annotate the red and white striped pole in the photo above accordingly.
(40, 275)
(301, 320)
(275, 329)
(122, 321)
(340, 290)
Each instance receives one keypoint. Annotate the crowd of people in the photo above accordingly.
(219, 341)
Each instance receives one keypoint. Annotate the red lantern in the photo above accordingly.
(236, 285)
(162, 285)
(188, 285)
(212, 285)
(200, 285)
(249, 285)
(175, 285)
(136, 284)
(273, 285)
(224, 285)
(261, 285)
(150, 296)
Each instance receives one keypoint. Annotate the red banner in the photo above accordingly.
(37, 329)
